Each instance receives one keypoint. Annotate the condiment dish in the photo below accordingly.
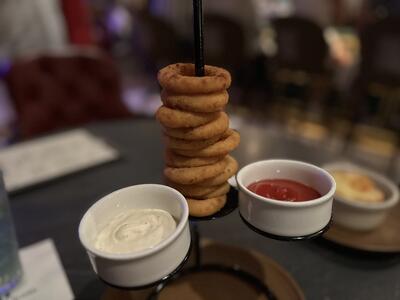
(358, 215)
(142, 268)
(282, 218)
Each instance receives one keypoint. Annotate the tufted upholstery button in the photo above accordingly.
(58, 92)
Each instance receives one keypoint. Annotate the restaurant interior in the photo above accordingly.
(316, 81)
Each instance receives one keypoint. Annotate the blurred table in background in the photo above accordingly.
(323, 271)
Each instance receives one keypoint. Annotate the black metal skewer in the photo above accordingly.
(198, 37)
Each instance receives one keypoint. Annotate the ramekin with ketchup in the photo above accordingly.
(285, 198)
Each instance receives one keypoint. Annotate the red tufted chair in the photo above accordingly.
(53, 92)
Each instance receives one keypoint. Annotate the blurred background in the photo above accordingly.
(319, 70)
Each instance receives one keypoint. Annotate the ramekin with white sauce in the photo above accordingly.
(153, 257)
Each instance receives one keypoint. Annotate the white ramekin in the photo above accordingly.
(363, 215)
(281, 218)
(148, 266)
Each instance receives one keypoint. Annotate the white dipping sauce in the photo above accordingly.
(135, 230)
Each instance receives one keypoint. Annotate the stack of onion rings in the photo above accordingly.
(197, 135)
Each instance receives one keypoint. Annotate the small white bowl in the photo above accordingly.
(281, 218)
(145, 267)
(363, 216)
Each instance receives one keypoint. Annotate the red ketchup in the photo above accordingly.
(283, 189)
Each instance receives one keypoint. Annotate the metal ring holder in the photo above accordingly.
(236, 271)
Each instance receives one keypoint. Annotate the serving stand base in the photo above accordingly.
(213, 285)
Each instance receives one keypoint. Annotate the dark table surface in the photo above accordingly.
(323, 270)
